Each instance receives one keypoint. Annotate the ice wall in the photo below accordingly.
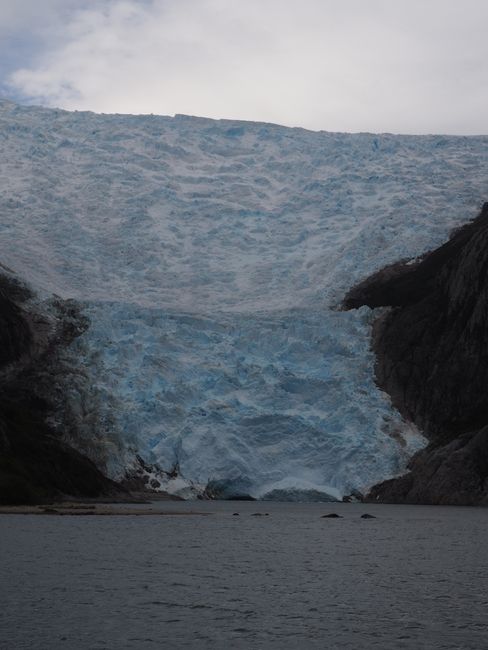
(210, 257)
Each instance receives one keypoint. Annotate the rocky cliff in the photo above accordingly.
(35, 463)
(432, 358)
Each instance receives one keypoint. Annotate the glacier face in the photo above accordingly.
(210, 257)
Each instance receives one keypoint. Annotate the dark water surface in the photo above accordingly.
(414, 577)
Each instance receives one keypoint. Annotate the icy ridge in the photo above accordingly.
(210, 257)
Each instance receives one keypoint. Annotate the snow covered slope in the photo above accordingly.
(211, 257)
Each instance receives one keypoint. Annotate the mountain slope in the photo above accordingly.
(35, 463)
(432, 357)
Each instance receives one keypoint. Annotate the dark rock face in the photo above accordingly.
(35, 464)
(432, 358)
(451, 474)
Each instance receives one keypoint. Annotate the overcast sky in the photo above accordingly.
(409, 66)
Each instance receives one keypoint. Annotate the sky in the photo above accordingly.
(401, 66)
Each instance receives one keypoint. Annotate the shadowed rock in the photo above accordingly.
(432, 358)
(35, 464)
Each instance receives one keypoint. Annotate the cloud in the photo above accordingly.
(404, 66)
(26, 29)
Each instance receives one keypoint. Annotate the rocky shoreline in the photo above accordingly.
(78, 509)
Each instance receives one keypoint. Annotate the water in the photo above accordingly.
(414, 577)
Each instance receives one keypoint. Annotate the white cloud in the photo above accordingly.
(34, 16)
(408, 65)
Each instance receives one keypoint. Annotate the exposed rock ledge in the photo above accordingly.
(432, 358)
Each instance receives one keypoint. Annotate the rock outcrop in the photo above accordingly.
(432, 358)
(35, 464)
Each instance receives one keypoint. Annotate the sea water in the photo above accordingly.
(412, 577)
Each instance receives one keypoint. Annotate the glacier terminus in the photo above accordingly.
(210, 259)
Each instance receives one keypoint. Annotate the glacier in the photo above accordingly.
(211, 258)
